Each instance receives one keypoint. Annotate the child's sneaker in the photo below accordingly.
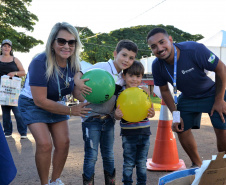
(23, 137)
(57, 182)
(8, 135)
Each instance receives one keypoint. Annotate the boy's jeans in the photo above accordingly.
(95, 132)
(135, 151)
(7, 123)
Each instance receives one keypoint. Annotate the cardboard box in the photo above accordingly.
(215, 174)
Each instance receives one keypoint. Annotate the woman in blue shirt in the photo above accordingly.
(42, 101)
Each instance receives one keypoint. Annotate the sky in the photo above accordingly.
(206, 17)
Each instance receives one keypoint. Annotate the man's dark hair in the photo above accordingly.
(136, 68)
(127, 44)
(155, 31)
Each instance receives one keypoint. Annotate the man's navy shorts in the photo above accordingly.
(191, 110)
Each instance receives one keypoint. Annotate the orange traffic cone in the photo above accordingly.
(165, 155)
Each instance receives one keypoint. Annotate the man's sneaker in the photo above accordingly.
(23, 137)
(8, 135)
(194, 165)
(57, 182)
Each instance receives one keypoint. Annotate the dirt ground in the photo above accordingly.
(23, 153)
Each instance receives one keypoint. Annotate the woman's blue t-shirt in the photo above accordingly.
(37, 77)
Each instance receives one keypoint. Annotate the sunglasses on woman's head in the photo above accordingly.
(62, 42)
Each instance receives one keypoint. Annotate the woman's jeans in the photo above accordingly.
(135, 152)
(7, 122)
(97, 132)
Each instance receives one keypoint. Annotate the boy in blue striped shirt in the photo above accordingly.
(135, 136)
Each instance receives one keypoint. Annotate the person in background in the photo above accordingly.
(135, 136)
(183, 65)
(42, 100)
(11, 66)
(98, 126)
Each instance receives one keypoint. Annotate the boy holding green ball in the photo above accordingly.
(98, 126)
(135, 136)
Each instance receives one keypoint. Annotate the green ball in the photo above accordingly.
(102, 84)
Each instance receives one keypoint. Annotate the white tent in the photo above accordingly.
(217, 44)
(85, 64)
(147, 63)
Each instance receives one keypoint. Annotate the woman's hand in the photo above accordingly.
(80, 84)
(85, 90)
(80, 109)
(11, 74)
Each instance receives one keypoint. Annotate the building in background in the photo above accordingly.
(148, 78)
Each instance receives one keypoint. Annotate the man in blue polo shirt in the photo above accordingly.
(183, 65)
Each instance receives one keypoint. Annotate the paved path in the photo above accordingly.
(23, 154)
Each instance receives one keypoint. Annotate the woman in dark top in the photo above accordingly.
(11, 66)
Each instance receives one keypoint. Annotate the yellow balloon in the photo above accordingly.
(134, 104)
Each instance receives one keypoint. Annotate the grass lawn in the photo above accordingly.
(156, 102)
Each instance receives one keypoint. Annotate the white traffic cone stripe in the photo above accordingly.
(165, 114)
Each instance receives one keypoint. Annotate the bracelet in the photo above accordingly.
(70, 110)
(16, 73)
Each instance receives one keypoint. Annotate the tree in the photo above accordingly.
(138, 35)
(14, 14)
(100, 47)
(97, 47)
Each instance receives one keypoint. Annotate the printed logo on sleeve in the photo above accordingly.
(212, 58)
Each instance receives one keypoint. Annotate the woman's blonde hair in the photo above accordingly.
(50, 53)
